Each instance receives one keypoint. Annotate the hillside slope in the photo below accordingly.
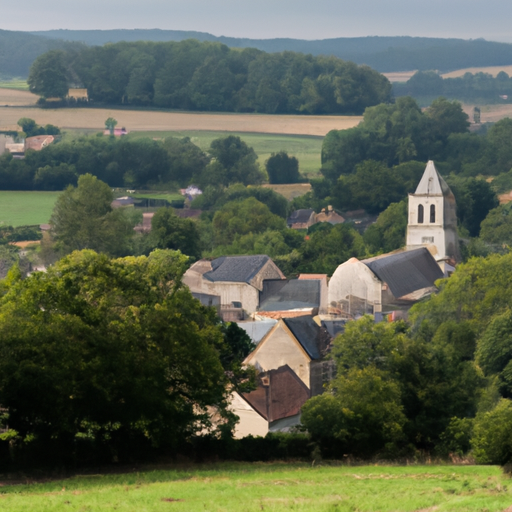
(384, 54)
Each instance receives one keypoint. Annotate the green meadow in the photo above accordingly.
(271, 487)
(305, 148)
(15, 83)
(21, 208)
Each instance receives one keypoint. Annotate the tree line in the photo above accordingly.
(210, 77)
(439, 384)
(471, 87)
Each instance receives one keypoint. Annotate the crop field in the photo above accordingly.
(272, 487)
(154, 120)
(20, 208)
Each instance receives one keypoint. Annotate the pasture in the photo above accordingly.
(305, 148)
(272, 487)
(403, 76)
(14, 83)
(20, 208)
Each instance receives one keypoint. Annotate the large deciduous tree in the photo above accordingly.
(48, 75)
(107, 350)
(83, 218)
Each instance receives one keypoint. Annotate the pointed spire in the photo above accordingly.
(431, 183)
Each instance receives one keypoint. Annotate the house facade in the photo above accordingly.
(237, 280)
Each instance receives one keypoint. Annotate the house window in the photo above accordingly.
(427, 240)
(432, 213)
(420, 214)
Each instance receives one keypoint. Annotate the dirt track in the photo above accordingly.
(135, 120)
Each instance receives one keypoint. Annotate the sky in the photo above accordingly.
(264, 19)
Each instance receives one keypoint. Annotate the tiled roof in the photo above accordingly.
(280, 394)
(282, 295)
(239, 269)
(314, 339)
(406, 272)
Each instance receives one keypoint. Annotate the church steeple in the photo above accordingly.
(433, 216)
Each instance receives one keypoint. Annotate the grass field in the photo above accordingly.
(403, 76)
(305, 148)
(272, 487)
(26, 208)
(156, 195)
(15, 83)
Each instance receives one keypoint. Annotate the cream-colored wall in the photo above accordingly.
(279, 348)
(250, 423)
(356, 279)
(416, 232)
(227, 290)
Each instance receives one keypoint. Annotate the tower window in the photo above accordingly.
(420, 214)
(432, 213)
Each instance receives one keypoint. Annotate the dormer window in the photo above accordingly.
(432, 213)
(420, 214)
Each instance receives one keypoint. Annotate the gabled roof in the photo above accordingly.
(406, 272)
(282, 295)
(314, 339)
(257, 330)
(300, 216)
(280, 394)
(432, 183)
(239, 269)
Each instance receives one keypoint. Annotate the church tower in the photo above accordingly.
(433, 217)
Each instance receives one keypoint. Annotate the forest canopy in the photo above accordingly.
(212, 77)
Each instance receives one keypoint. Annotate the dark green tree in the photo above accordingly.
(83, 218)
(108, 350)
(48, 75)
(168, 231)
(282, 168)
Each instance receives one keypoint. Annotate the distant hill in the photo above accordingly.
(385, 54)
(19, 49)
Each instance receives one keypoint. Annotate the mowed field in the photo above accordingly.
(140, 120)
(20, 208)
(305, 148)
(271, 487)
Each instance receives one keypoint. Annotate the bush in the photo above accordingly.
(492, 439)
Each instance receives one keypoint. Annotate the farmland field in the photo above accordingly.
(20, 208)
(305, 148)
(403, 76)
(272, 487)
(154, 120)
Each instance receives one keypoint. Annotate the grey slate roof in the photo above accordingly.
(300, 216)
(313, 338)
(239, 269)
(257, 330)
(282, 295)
(406, 272)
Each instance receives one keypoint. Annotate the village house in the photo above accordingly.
(301, 219)
(274, 406)
(299, 343)
(237, 280)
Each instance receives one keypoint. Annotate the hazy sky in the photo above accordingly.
(303, 19)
